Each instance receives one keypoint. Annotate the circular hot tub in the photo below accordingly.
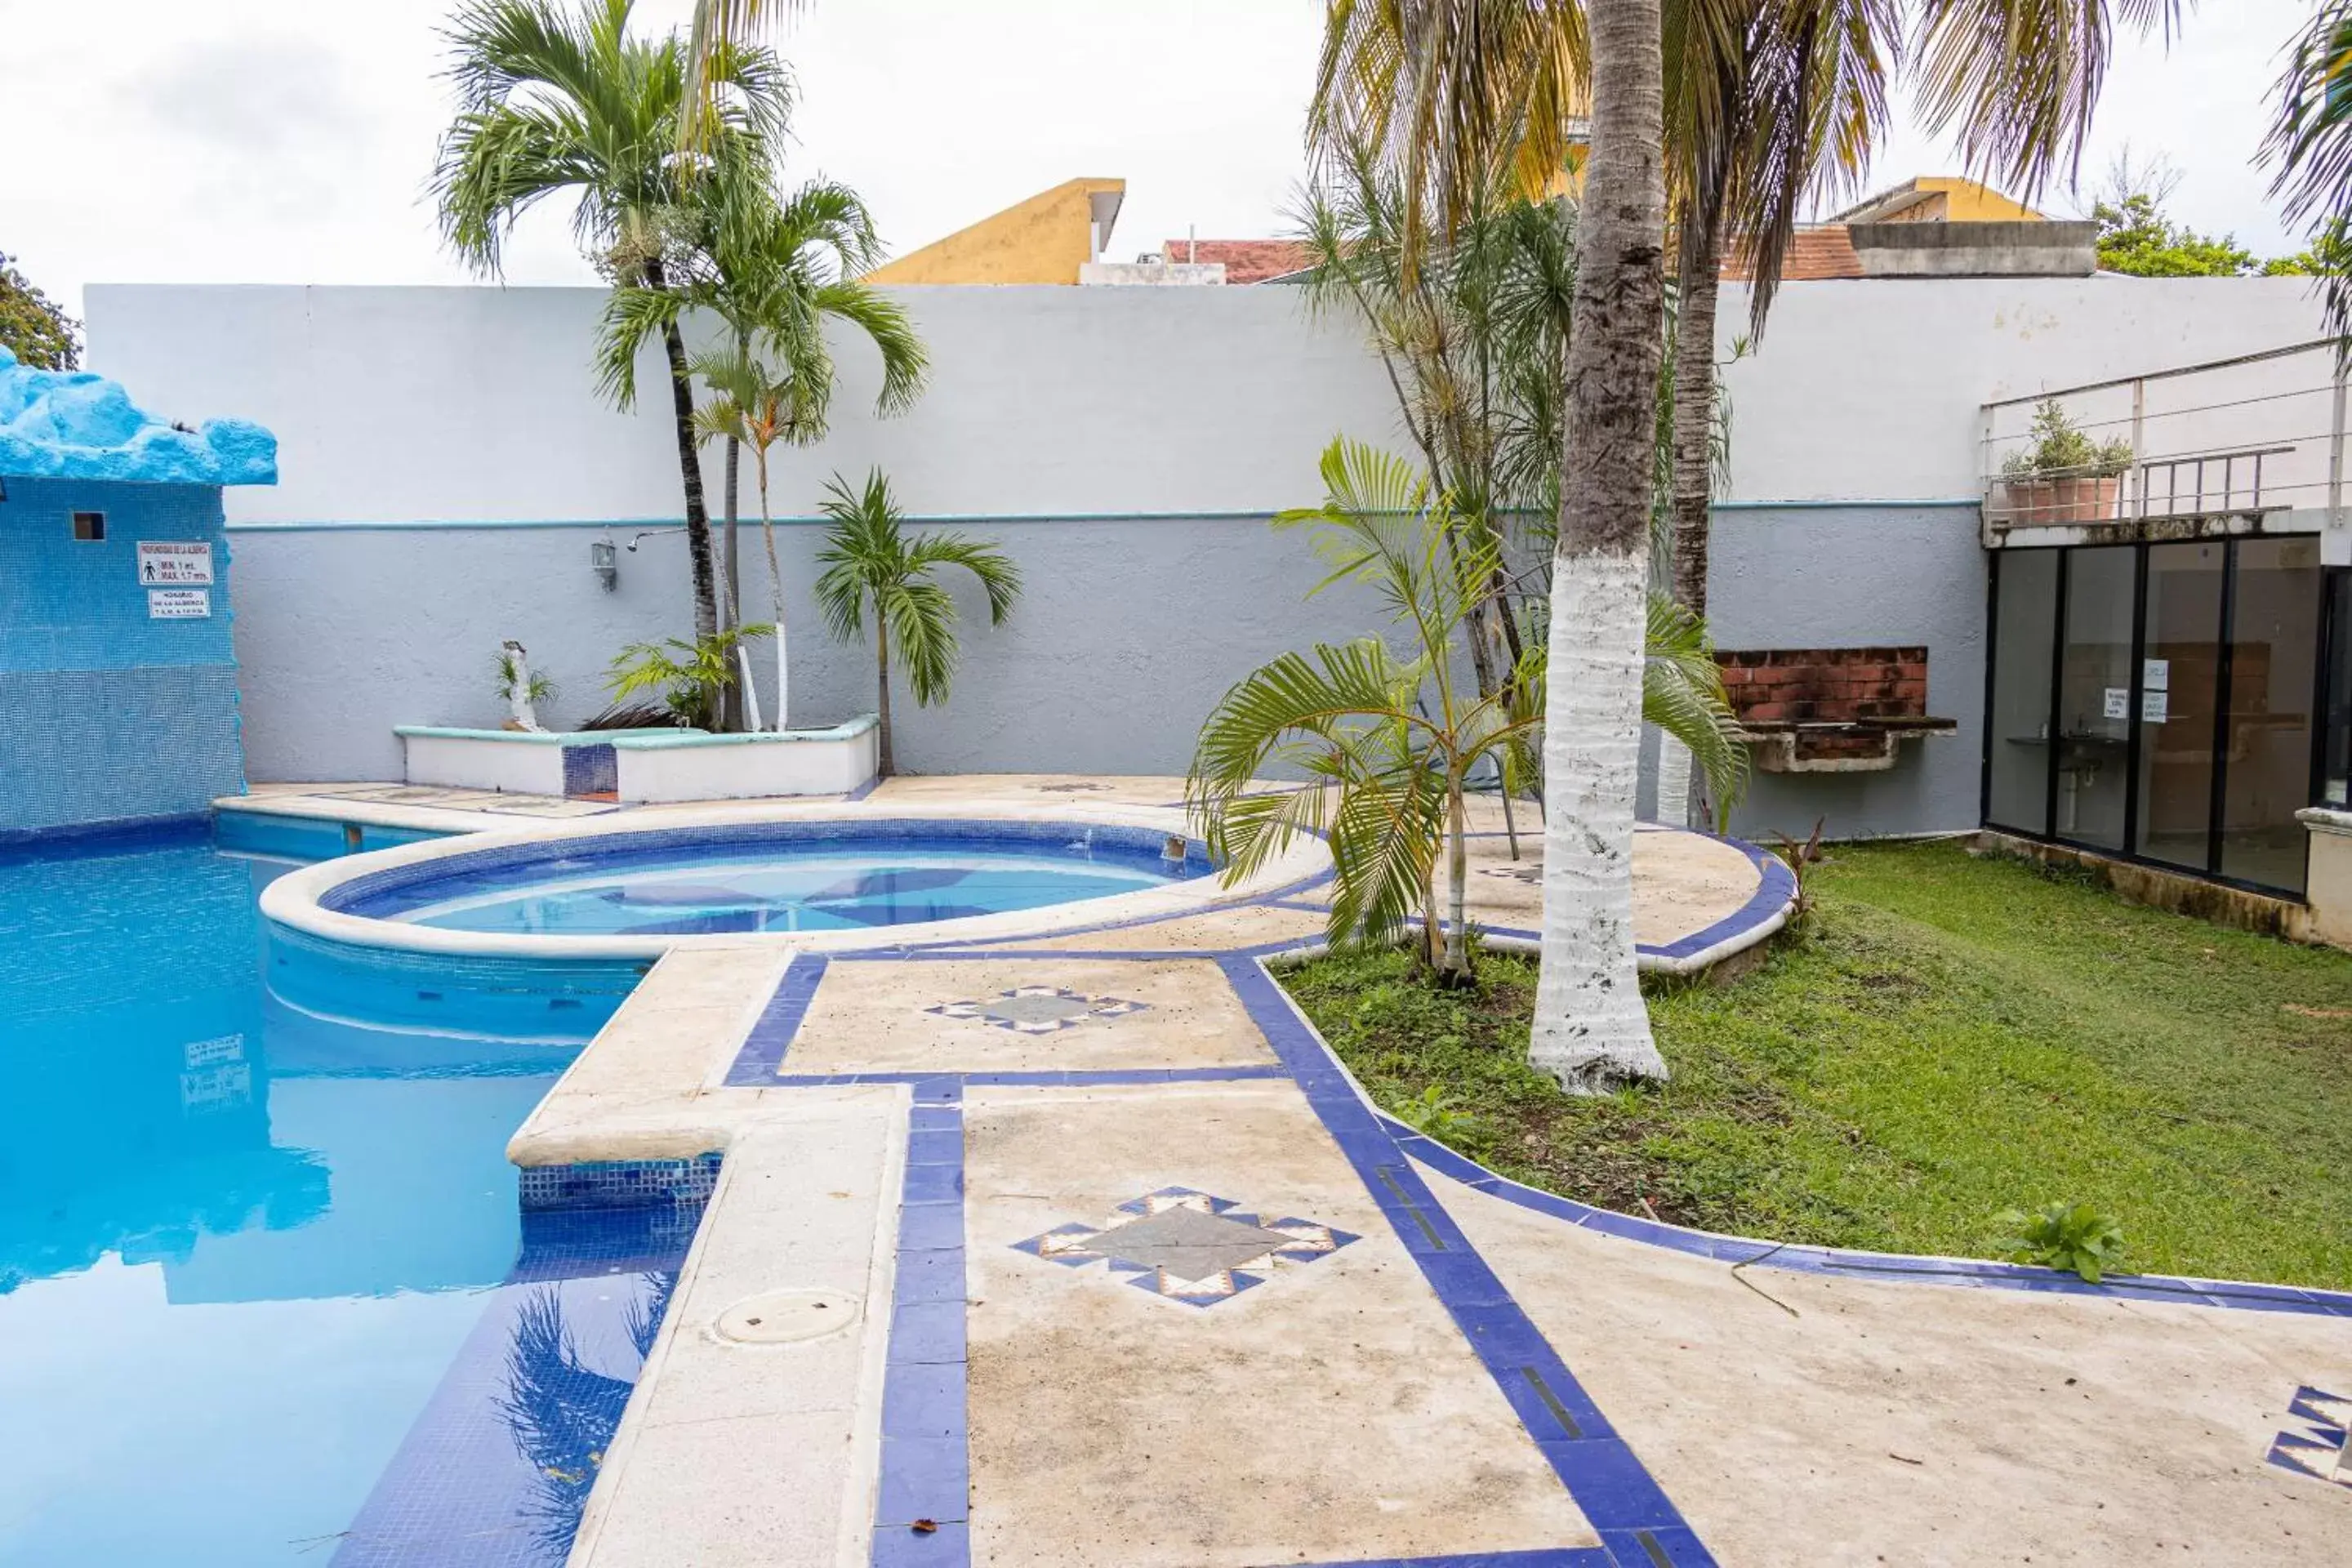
(851, 877)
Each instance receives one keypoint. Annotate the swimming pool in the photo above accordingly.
(767, 877)
(265, 1288)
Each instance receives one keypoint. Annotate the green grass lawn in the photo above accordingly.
(1956, 1037)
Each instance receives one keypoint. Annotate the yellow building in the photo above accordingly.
(1045, 239)
(1940, 198)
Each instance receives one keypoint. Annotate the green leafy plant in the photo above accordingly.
(1434, 1113)
(2061, 451)
(1388, 742)
(872, 565)
(690, 678)
(2074, 1237)
(537, 688)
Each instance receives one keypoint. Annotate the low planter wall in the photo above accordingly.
(523, 762)
(672, 765)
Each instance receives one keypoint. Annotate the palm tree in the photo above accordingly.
(568, 104)
(2310, 148)
(1390, 743)
(719, 25)
(755, 406)
(872, 564)
(773, 275)
(1456, 90)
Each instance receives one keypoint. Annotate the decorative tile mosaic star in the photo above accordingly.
(1188, 1246)
(2323, 1450)
(1038, 1009)
(1515, 873)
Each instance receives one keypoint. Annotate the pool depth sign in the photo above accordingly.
(177, 576)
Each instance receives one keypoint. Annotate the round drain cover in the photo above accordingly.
(782, 1317)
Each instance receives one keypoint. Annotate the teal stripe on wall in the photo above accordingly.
(656, 524)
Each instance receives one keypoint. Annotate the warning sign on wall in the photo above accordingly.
(164, 561)
(179, 604)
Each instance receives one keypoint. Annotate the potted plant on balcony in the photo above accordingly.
(2062, 476)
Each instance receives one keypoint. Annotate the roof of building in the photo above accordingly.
(78, 424)
(1938, 198)
(1826, 250)
(1044, 239)
(1245, 261)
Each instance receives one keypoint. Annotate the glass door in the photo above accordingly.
(2181, 664)
(2275, 605)
(2017, 718)
(2094, 687)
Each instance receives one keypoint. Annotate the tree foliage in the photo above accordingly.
(2135, 237)
(34, 327)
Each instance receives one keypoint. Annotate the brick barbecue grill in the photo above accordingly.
(1829, 710)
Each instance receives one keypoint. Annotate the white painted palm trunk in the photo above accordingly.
(776, 606)
(1673, 782)
(1592, 1029)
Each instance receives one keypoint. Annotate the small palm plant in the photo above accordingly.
(872, 564)
(1389, 744)
(755, 406)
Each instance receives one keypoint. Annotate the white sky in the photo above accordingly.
(290, 141)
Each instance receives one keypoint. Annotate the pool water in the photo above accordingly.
(265, 1291)
(789, 877)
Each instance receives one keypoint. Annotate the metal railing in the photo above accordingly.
(2239, 438)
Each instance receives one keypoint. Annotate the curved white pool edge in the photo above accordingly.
(293, 899)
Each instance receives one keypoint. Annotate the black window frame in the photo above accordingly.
(2321, 700)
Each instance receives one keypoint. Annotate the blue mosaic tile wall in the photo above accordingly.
(106, 713)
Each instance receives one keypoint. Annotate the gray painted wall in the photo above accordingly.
(1854, 576)
(1054, 419)
(1125, 636)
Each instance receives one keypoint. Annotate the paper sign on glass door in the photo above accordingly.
(2116, 703)
(2153, 707)
(2156, 674)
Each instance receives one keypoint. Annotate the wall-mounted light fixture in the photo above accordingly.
(607, 561)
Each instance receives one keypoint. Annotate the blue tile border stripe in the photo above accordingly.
(1037, 1077)
(1604, 1477)
(1776, 887)
(1888, 1267)
(926, 1472)
(762, 1057)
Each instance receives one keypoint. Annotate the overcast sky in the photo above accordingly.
(289, 141)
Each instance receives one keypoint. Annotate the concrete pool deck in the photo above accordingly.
(1082, 1248)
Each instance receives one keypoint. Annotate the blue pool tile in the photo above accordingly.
(931, 1276)
(936, 1118)
(1665, 1546)
(936, 1184)
(948, 1546)
(935, 1146)
(923, 1399)
(929, 1331)
(931, 1228)
(1611, 1485)
(923, 1478)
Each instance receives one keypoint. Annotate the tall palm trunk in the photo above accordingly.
(1694, 469)
(731, 607)
(1694, 489)
(775, 597)
(1591, 1027)
(690, 465)
(886, 765)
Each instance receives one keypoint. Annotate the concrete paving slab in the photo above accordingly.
(1331, 1413)
(1016, 1015)
(1861, 1423)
